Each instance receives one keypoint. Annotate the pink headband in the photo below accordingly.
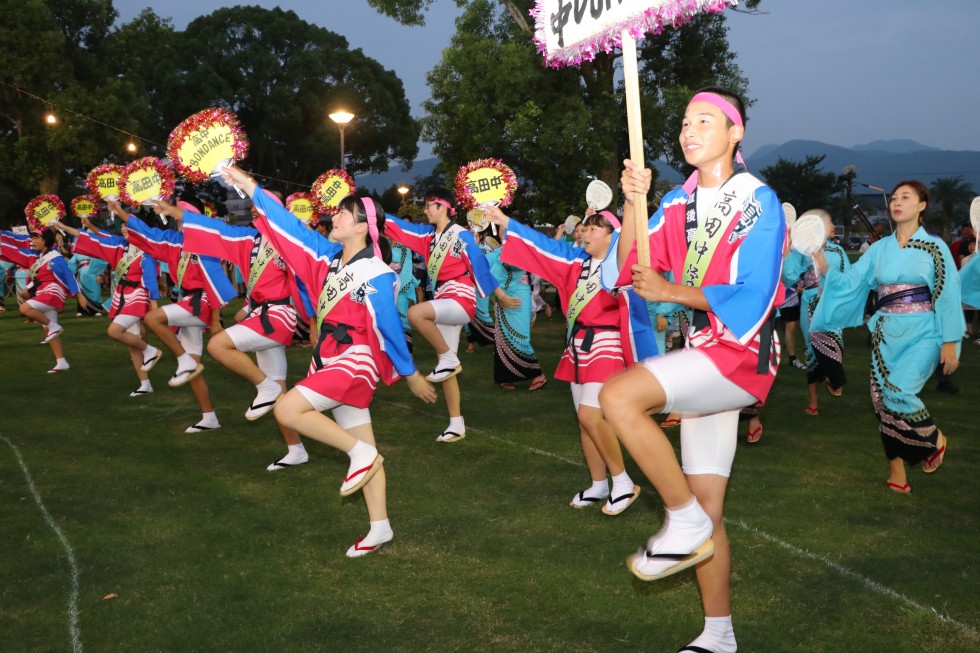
(611, 219)
(372, 220)
(449, 206)
(732, 114)
(187, 206)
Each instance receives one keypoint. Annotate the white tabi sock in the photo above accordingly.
(61, 364)
(146, 385)
(622, 484)
(456, 425)
(186, 362)
(718, 635)
(209, 419)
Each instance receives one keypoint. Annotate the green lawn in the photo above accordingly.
(206, 551)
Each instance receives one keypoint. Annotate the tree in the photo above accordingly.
(491, 96)
(281, 76)
(802, 183)
(948, 197)
(58, 51)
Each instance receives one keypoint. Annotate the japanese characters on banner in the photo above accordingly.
(102, 181)
(331, 187)
(204, 141)
(83, 206)
(144, 180)
(485, 181)
(43, 210)
(301, 205)
(568, 32)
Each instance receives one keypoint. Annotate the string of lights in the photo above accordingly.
(51, 118)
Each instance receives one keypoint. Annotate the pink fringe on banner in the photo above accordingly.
(651, 21)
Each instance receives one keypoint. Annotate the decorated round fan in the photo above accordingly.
(301, 205)
(331, 187)
(808, 233)
(83, 206)
(144, 180)
(598, 195)
(789, 211)
(103, 181)
(205, 141)
(975, 215)
(485, 181)
(44, 209)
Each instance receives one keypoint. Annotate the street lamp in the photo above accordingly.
(403, 190)
(131, 147)
(342, 118)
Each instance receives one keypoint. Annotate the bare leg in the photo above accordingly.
(790, 345)
(119, 334)
(200, 389)
(375, 490)
(137, 357)
(604, 440)
(423, 318)
(626, 399)
(222, 349)
(450, 388)
(294, 412)
(597, 468)
(156, 321)
(812, 395)
(897, 473)
(714, 574)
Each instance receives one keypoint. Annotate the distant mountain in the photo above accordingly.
(881, 163)
(901, 146)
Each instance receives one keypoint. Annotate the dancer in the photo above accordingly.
(513, 356)
(480, 330)
(269, 315)
(204, 289)
(598, 343)
(918, 324)
(824, 349)
(722, 236)
(360, 343)
(49, 284)
(135, 287)
(401, 263)
(458, 272)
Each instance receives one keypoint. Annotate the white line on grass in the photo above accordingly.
(872, 585)
(76, 639)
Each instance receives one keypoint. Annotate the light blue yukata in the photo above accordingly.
(918, 309)
(824, 349)
(401, 263)
(514, 358)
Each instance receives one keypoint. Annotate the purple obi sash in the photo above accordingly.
(904, 298)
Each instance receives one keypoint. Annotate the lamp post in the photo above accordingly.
(342, 118)
(403, 190)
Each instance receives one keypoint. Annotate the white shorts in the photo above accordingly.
(41, 306)
(347, 417)
(191, 329)
(131, 323)
(450, 318)
(586, 394)
(269, 354)
(708, 404)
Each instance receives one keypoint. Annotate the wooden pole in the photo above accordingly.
(632, 80)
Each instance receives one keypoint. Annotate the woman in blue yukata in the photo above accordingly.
(917, 325)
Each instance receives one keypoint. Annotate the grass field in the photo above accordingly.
(206, 551)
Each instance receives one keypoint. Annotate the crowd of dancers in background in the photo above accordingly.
(721, 273)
